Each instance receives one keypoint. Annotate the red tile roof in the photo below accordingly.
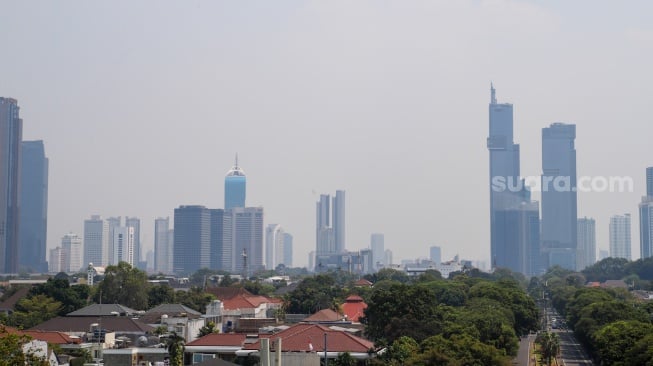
(301, 337)
(219, 339)
(50, 337)
(238, 298)
(354, 308)
(363, 282)
(324, 315)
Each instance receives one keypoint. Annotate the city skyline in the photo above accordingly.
(390, 122)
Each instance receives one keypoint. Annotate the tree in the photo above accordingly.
(457, 350)
(34, 310)
(176, 349)
(549, 345)
(71, 297)
(615, 340)
(209, 328)
(160, 294)
(345, 359)
(125, 285)
(195, 298)
(314, 294)
(11, 350)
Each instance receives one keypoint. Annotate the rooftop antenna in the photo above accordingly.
(244, 255)
(236, 161)
(493, 94)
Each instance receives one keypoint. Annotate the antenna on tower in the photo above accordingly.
(493, 94)
(244, 255)
(236, 161)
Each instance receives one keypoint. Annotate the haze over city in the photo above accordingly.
(143, 106)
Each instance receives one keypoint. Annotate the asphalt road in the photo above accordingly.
(571, 351)
(522, 354)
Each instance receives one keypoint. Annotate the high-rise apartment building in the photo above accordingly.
(96, 241)
(646, 218)
(559, 197)
(274, 241)
(57, 260)
(33, 207)
(113, 223)
(135, 223)
(11, 134)
(162, 247)
(235, 187)
(620, 236)
(586, 254)
(242, 251)
(123, 245)
(377, 244)
(217, 238)
(72, 246)
(330, 224)
(513, 225)
(192, 242)
(388, 257)
(435, 254)
(287, 249)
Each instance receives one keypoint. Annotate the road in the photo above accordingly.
(524, 349)
(571, 352)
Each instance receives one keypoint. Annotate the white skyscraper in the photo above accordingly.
(274, 241)
(242, 245)
(620, 236)
(123, 245)
(330, 224)
(96, 241)
(378, 250)
(72, 246)
(135, 223)
(339, 221)
(586, 255)
(57, 260)
(162, 245)
(113, 223)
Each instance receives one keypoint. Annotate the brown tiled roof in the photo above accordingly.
(118, 324)
(238, 298)
(224, 293)
(219, 339)
(153, 316)
(300, 336)
(324, 315)
(102, 310)
(50, 337)
(363, 282)
(354, 308)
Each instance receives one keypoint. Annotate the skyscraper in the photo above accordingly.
(274, 242)
(512, 224)
(72, 246)
(646, 218)
(217, 238)
(135, 223)
(287, 249)
(242, 251)
(559, 198)
(96, 241)
(11, 135)
(192, 243)
(113, 223)
(330, 234)
(435, 254)
(378, 250)
(620, 236)
(123, 245)
(586, 255)
(33, 207)
(235, 187)
(162, 246)
(57, 261)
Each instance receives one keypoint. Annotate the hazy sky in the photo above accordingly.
(142, 106)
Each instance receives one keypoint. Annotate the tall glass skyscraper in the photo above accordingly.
(192, 239)
(33, 207)
(162, 246)
(235, 187)
(514, 218)
(559, 196)
(646, 218)
(586, 254)
(11, 135)
(330, 224)
(620, 236)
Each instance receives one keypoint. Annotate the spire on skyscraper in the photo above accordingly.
(493, 94)
(236, 170)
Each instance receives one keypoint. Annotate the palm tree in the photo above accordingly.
(550, 345)
(176, 349)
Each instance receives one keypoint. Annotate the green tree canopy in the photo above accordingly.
(125, 285)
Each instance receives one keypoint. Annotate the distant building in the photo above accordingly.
(217, 238)
(135, 223)
(330, 224)
(287, 250)
(123, 245)
(11, 135)
(113, 223)
(192, 239)
(603, 254)
(559, 196)
(377, 243)
(646, 218)
(435, 254)
(243, 240)
(274, 241)
(57, 260)
(96, 241)
(620, 236)
(235, 187)
(521, 246)
(311, 260)
(388, 257)
(72, 246)
(586, 254)
(163, 249)
(33, 207)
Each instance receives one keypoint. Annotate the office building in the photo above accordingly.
(11, 134)
(72, 246)
(620, 236)
(162, 246)
(217, 238)
(57, 260)
(123, 245)
(33, 207)
(511, 209)
(243, 240)
(135, 223)
(235, 187)
(646, 218)
(96, 241)
(377, 243)
(586, 254)
(435, 254)
(192, 239)
(274, 241)
(388, 257)
(330, 224)
(113, 223)
(311, 260)
(559, 198)
(287, 250)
